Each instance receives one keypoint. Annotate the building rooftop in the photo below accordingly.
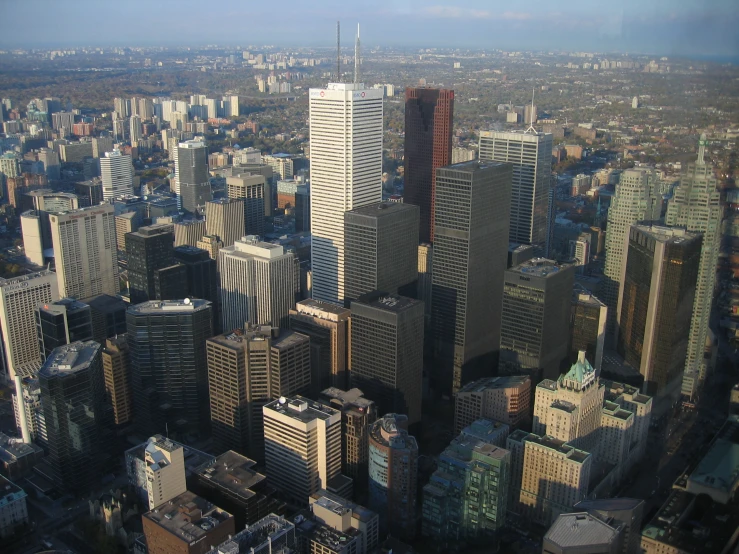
(69, 359)
(581, 372)
(581, 295)
(486, 430)
(150, 230)
(386, 302)
(349, 398)
(251, 247)
(580, 530)
(559, 446)
(472, 166)
(105, 303)
(24, 278)
(188, 516)
(194, 459)
(301, 408)
(391, 431)
(329, 537)
(233, 472)
(719, 467)
(693, 524)
(271, 534)
(519, 435)
(12, 449)
(668, 235)
(322, 310)
(380, 209)
(331, 499)
(63, 305)
(538, 267)
(169, 306)
(9, 492)
(487, 383)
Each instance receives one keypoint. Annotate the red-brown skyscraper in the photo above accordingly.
(428, 144)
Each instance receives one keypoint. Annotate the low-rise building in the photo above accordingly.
(270, 535)
(505, 399)
(342, 514)
(13, 509)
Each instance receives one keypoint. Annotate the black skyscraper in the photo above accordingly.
(151, 249)
(202, 277)
(62, 322)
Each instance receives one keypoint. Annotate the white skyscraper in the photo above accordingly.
(346, 132)
(85, 251)
(19, 298)
(135, 129)
(116, 171)
(258, 283)
(531, 155)
(637, 199)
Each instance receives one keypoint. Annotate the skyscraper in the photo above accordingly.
(225, 219)
(531, 155)
(258, 283)
(387, 352)
(695, 205)
(637, 199)
(117, 372)
(470, 258)
(252, 189)
(19, 298)
(135, 129)
(189, 231)
(506, 399)
(302, 443)
(62, 322)
(327, 325)
(246, 370)
(116, 171)
(587, 326)
(202, 277)
(85, 251)
(149, 249)
(393, 475)
(79, 422)
(346, 172)
(536, 311)
(381, 249)
(655, 305)
(429, 116)
(191, 175)
(169, 374)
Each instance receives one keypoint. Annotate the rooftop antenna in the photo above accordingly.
(702, 150)
(531, 115)
(338, 51)
(356, 58)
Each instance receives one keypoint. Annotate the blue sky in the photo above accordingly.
(668, 27)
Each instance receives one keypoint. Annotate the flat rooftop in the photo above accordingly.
(331, 499)
(301, 408)
(168, 306)
(538, 267)
(9, 491)
(233, 472)
(667, 235)
(188, 516)
(386, 302)
(380, 209)
(194, 459)
(24, 278)
(559, 446)
(12, 449)
(69, 359)
(580, 530)
(106, 303)
(62, 306)
(502, 382)
(346, 398)
(719, 467)
(316, 308)
(472, 166)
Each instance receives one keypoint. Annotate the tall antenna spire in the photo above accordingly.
(531, 115)
(338, 51)
(356, 58)
(702, 150)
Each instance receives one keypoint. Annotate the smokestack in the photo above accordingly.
(338, 51)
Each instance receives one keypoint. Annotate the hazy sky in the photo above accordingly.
(654, 26)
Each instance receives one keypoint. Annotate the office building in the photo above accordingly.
(19, 298)
(230, 481)
(429, 116)
(466, 497)
(225, 218)
(696, 205)
(117, 371)
(258, 283)
(357, 414)
(637, 199)
(52, 165)
(32, 231)
(271, 534)
(85, 251)
(108, 316)
(62, 322)
(116, 172)
(555, 477)
(13, 509)
(90, 193)
(28, 399)
(252, 188)
(469, 261)
(341, 514)
(79, 422)
(387, 352)
(191, 176)
(135, 131)
(187, 524)
(302, 208)
(579, 251)
(188, 232)
(381, 249)
(583, 532)
(169, 374)
(327, 325)
(623, 515)
(424, 285)
(162, 463)
(281, 164)
(202, 277)
(346, 130)
(504, 399)
(314, 536)
(588, 316)
(530, 153)
(393, 469)
(128, 222)
(149, 249)
(535, 317)
(302, 443)
(655, 304)
(211, 244)
(101, 145)
(246, 370)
